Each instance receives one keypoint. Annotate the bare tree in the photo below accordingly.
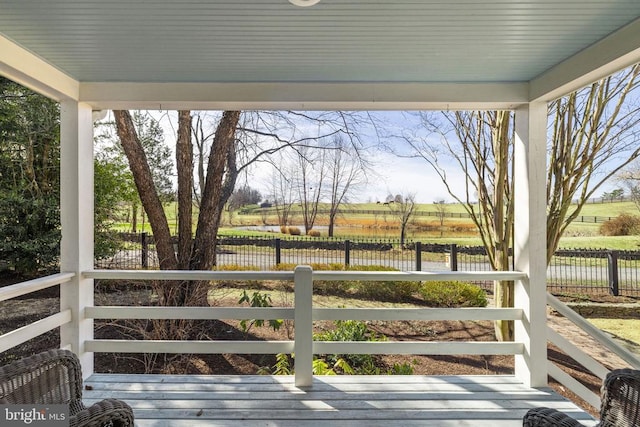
(282, 194)
(235, 142)
(143, 179)
(629, 178)
(202, 133)
(345, 173)
(441, 212)
(402, 210)
(593, 136)
(240, 140)
(480, 144)
(309, 181)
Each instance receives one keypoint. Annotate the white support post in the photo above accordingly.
(303, 325)
(76, 216)
(530, 241)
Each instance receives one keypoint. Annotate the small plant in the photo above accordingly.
(452, 294)
(257, 299)
(283, 229)
(283, 365)
(401, 369)
(320, 366)
(313, 233)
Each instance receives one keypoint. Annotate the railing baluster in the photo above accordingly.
(303, 325)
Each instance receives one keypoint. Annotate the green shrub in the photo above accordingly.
(289, 266)
(393, 291)
(30, 232)
(452, 294)
(294, 231)
(622, 225)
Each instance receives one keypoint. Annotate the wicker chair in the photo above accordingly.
(620, 404)
(54, 377)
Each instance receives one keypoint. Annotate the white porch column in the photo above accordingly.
(76, 216)
(530, 240)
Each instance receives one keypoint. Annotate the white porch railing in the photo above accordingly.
(580, 356)
(304, 314)
(27, 332)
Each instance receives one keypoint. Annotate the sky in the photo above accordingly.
(392, 175)
(389, 173)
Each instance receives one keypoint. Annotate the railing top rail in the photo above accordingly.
(419, 275)
(317, 275)
(23, 288)
(594, 332)
(187, 275)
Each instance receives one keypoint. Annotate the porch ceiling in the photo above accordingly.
(195, 50)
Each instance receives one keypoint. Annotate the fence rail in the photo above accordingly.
(588, 271)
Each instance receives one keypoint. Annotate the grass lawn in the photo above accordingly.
(626, 330)
(609, 209)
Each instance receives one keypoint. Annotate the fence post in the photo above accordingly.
(453, 257)
(145, 249)
(612, 258)
(303, 325)
(278, 252)
(418, 256)
(347, 252)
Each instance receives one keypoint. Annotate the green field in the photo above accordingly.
(380, 223)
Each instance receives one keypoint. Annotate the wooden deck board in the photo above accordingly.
(269, 401)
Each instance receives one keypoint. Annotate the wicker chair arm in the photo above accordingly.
(621, 398)
(111, 412)
(547, 417)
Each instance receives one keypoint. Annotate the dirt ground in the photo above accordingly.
(24, 310)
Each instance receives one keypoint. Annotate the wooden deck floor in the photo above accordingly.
(181, 401)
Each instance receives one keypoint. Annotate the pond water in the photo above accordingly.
(368, 232)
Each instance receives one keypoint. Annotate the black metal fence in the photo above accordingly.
(588, 271)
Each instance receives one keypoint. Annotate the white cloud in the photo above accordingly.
(407, 176)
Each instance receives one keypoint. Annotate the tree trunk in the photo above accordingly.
(146, 189)
(502, 220)
(221, 177)
(184, 166)
(134, 218)
(332, 220)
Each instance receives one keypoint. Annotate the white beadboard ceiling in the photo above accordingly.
(333, 41)
(385, 53)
